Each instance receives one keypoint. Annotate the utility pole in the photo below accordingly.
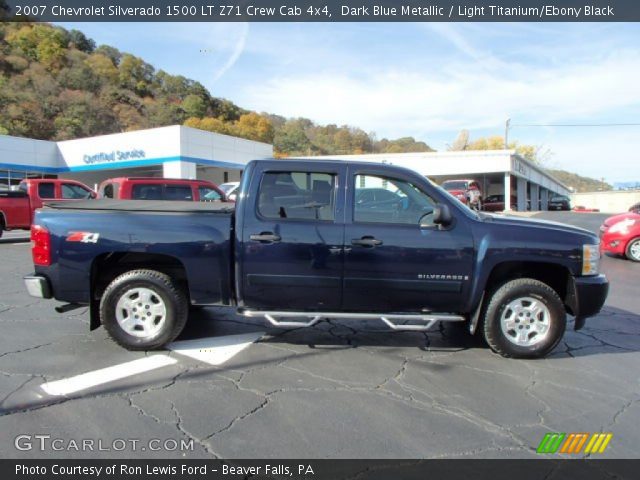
(506, 133)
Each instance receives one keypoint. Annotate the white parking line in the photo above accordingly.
(215, 350)
(106, 375)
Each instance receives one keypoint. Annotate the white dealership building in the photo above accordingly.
(173, 152)
(183, 152)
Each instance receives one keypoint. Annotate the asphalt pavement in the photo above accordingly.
(341, 389)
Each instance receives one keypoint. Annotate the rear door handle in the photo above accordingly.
(265, 237)
(368, 242)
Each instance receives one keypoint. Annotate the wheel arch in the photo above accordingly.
(556, 276)
(107, 266)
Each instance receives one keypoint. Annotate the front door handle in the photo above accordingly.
(265, 237)
(368, 242)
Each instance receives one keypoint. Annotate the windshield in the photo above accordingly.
(460, 185)
(558, 198)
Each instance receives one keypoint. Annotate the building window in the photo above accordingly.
(226, 177)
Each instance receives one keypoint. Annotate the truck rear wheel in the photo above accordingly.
(143, 310)
(525, 318)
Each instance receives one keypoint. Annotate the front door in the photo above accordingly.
(291, 254)
(392, 263)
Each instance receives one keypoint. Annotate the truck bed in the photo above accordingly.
(144, 206)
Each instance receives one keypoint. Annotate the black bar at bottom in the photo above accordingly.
(536, 469)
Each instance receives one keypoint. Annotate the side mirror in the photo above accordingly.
(442, 215)
(93, 195)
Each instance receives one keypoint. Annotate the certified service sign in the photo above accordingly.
(113, 156)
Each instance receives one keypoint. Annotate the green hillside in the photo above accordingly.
(57, 84)
(578, 182)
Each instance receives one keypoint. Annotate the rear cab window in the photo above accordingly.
(47, 190)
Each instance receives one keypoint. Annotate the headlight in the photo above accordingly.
(590, 259)
(622, 226)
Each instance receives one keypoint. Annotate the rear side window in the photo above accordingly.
(297, 196)
(74, 192)
(178, 192)
(46, 190)
(146, 192)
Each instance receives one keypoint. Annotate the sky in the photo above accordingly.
(426, 80)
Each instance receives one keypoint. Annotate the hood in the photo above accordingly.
(618, 218)
(536, 223)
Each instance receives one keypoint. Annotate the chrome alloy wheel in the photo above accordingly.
(141, 312)
(525, 321)
(634, 250)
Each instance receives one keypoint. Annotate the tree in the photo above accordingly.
(533, 153)
(291, 139)
(81, 42)
(209, 124)
(103, 67)
(254, 127)
(109, 52)
(461, 142)
(194, 106)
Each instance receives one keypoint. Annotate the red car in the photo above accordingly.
(495, 203)
(620, 235)
(467, 191)
(151, 188)
(17, 207)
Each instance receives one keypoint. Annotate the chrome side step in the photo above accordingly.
(276, 318)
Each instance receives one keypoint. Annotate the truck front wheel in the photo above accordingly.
(143, 310)
(525, 318)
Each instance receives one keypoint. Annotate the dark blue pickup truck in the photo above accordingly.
(309, 240)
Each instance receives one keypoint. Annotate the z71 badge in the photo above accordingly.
(83, 237)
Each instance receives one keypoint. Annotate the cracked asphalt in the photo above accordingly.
(338, 390)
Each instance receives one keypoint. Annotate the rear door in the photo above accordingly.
(392, 263)
(291, 245)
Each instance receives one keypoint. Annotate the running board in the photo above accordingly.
(276, 318)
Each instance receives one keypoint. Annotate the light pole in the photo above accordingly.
(506, 133)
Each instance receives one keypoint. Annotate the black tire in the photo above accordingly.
(514, 291)
(633, 244)
(164, 292)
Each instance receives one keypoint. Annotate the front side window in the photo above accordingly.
(208, 194)
(74, 192)
(297, 196)
(393, 201)
(46, 190)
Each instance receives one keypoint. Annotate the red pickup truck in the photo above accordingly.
(152, 188)
(17, 207)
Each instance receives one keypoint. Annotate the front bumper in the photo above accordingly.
(614, 243)
(37, 286)
(586, 297)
